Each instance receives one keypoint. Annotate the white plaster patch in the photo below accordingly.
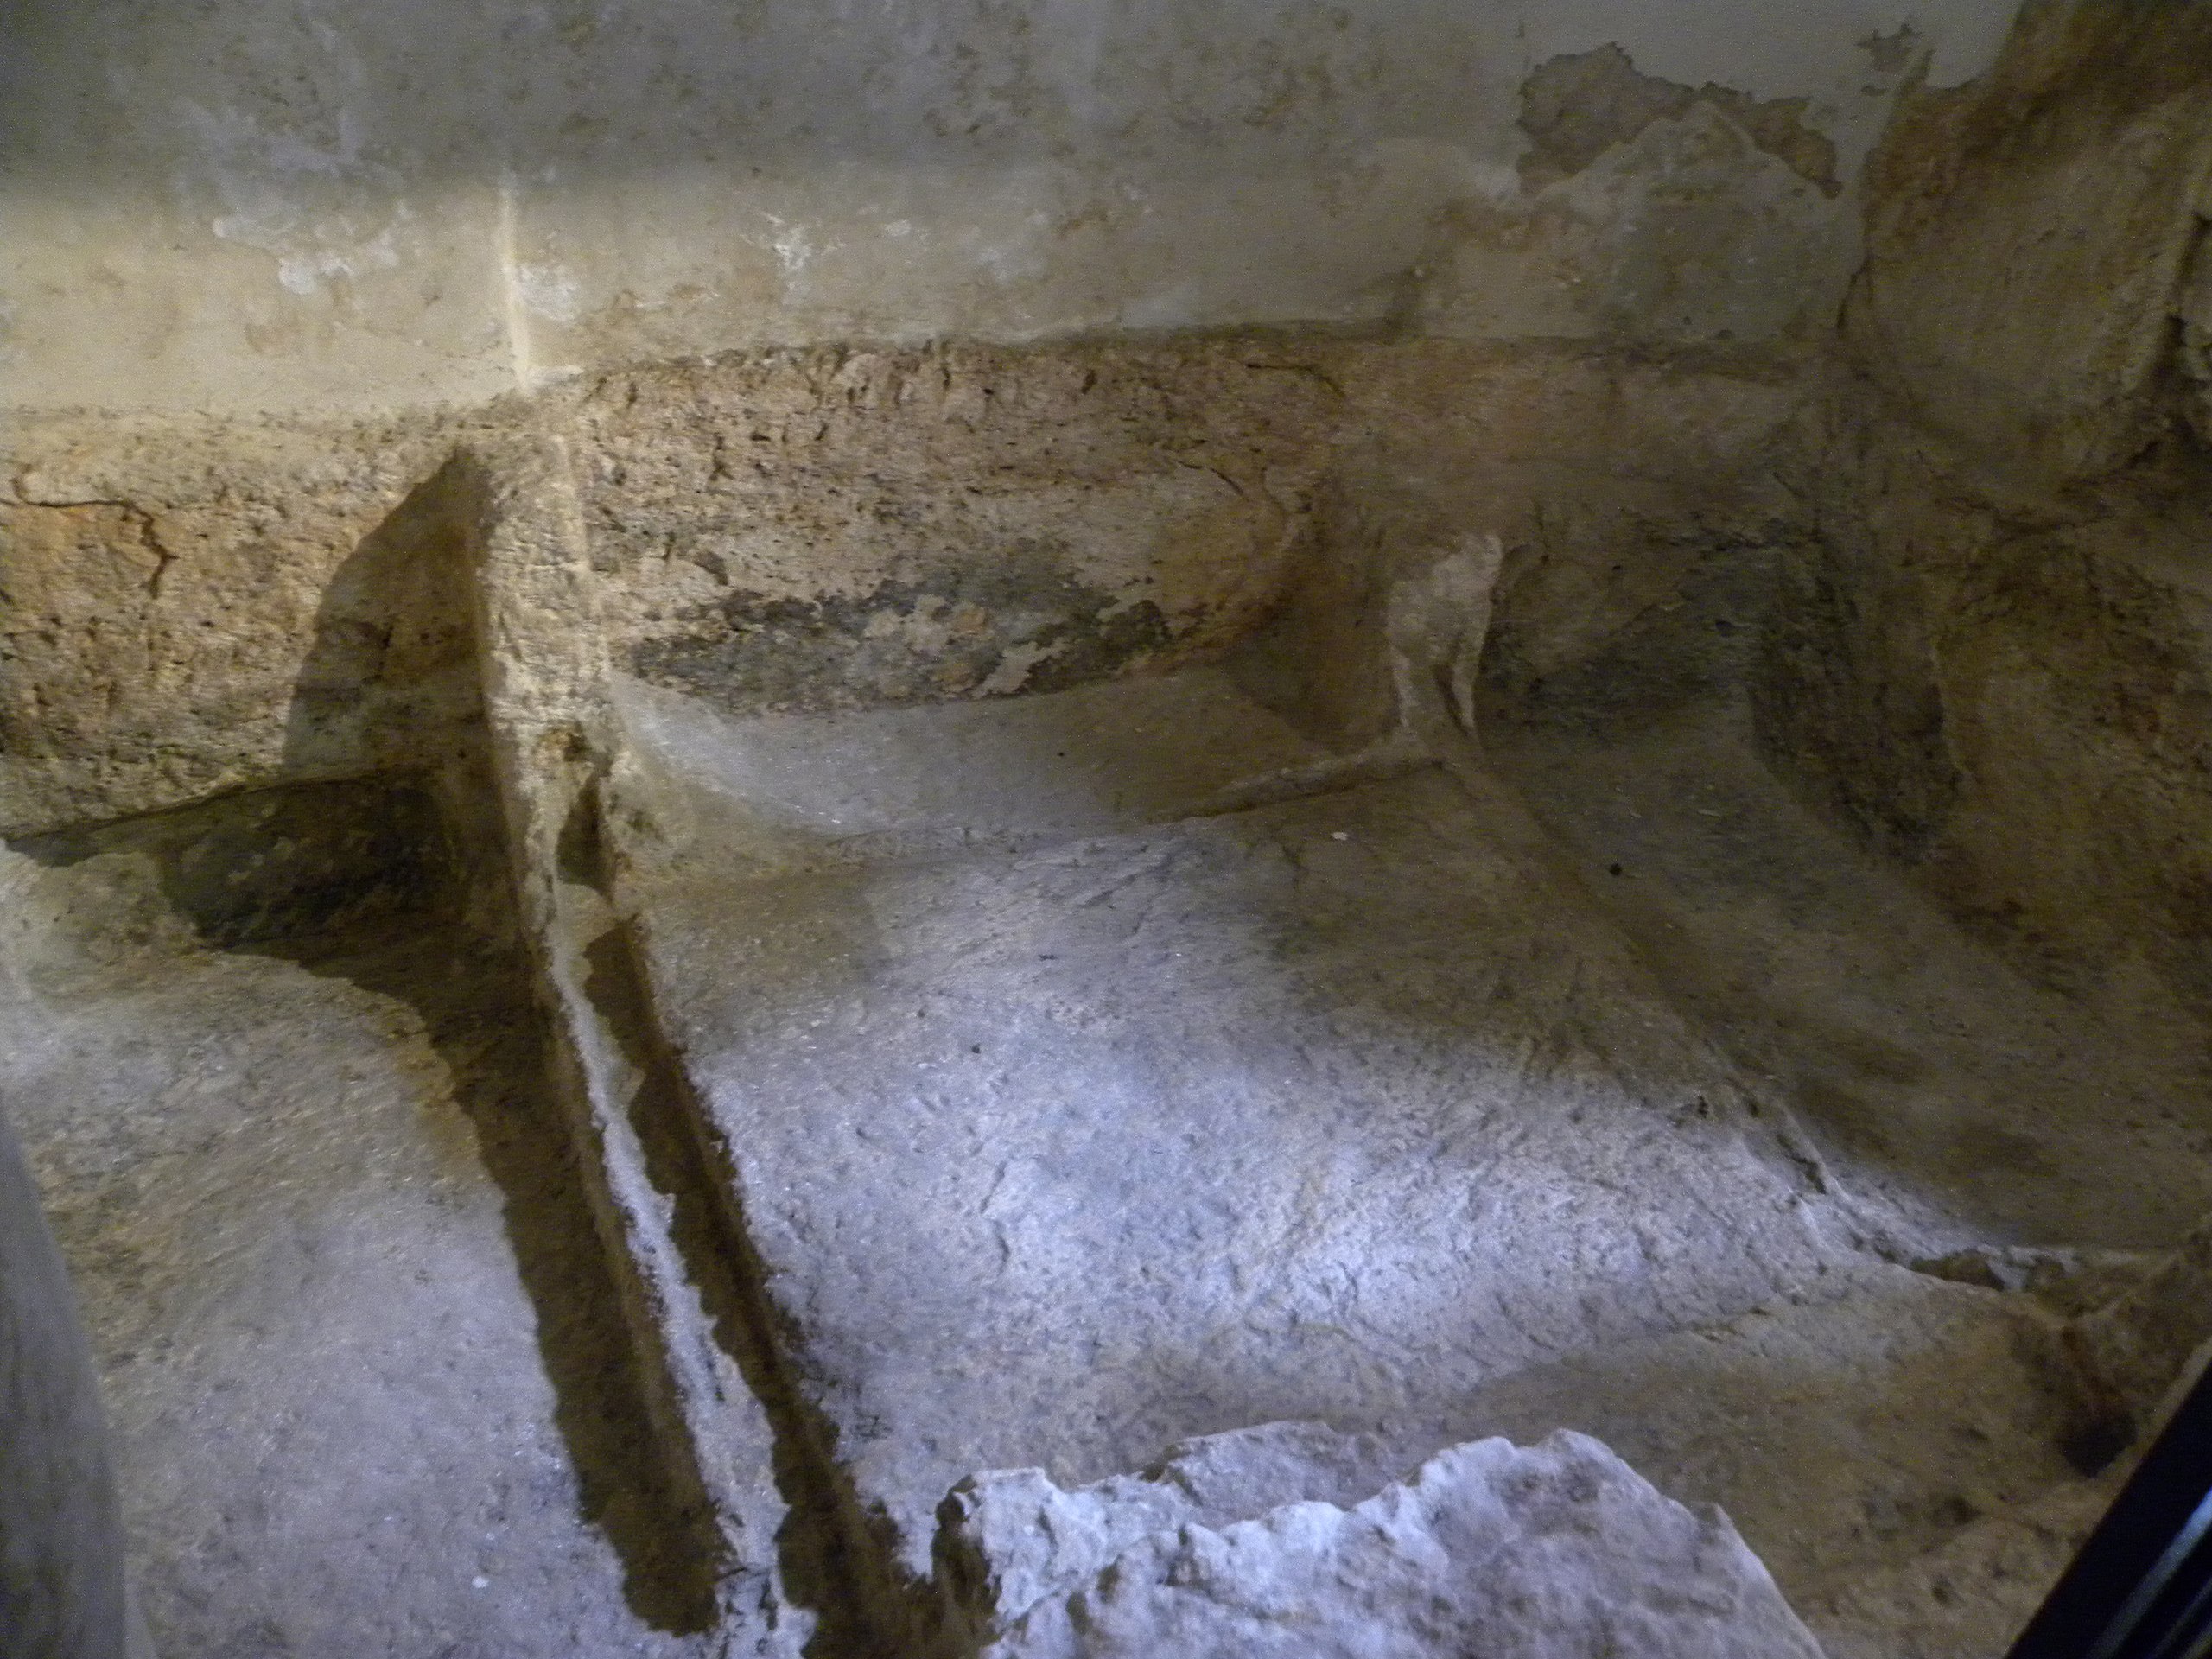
(1169, 307)
(1018, 258)
(794, 248)
(548, 291)
(315, 209)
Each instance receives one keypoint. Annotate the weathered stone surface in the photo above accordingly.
(401, 207)
(201, 606)
(1991, 657)
(2029, 235)
(1179, 1049)
(195, 605)
(1009, 1540)
(366, 1387)
(1970, 1598)
(2139, 1345)
(1846, 1438)
(1055, 1154)
(781, 533)
(2014, 703)
(1549, 1552)
(1692, 231)
(1942, 1075)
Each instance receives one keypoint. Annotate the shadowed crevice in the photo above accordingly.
(838, 1560)
(368, 880)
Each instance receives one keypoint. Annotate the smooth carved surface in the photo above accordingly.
(391, 206)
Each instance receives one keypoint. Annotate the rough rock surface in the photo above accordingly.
(1060, 1151)
(1010, 1538)
(1943, 1074)
(781, 534)
(1969, 1598)
(208, 606)
(365, 1390)
(2008, 699)
(1845, 1438)
(198, 604)
(1554, 1551)
(2137, 1343)
(1991, 659)
(2031, 235)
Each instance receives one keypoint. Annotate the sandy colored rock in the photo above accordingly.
(208, 606)
(2030, 235)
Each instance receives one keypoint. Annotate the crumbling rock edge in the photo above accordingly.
(1252, 1543)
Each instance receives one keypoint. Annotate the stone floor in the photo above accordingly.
(1986, 1103)
(1379, 1107)
(367, 1386)
(1098, 1071)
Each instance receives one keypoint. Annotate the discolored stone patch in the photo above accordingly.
(277, 863)
(1022, 626)
(1578, 105)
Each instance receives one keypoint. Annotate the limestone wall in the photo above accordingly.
(1996, 655)
(2033, 238)
(279, 204)
(202, 604)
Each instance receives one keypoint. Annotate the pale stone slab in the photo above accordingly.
(1554, 1551)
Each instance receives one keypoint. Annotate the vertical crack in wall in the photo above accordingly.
(514, 312)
